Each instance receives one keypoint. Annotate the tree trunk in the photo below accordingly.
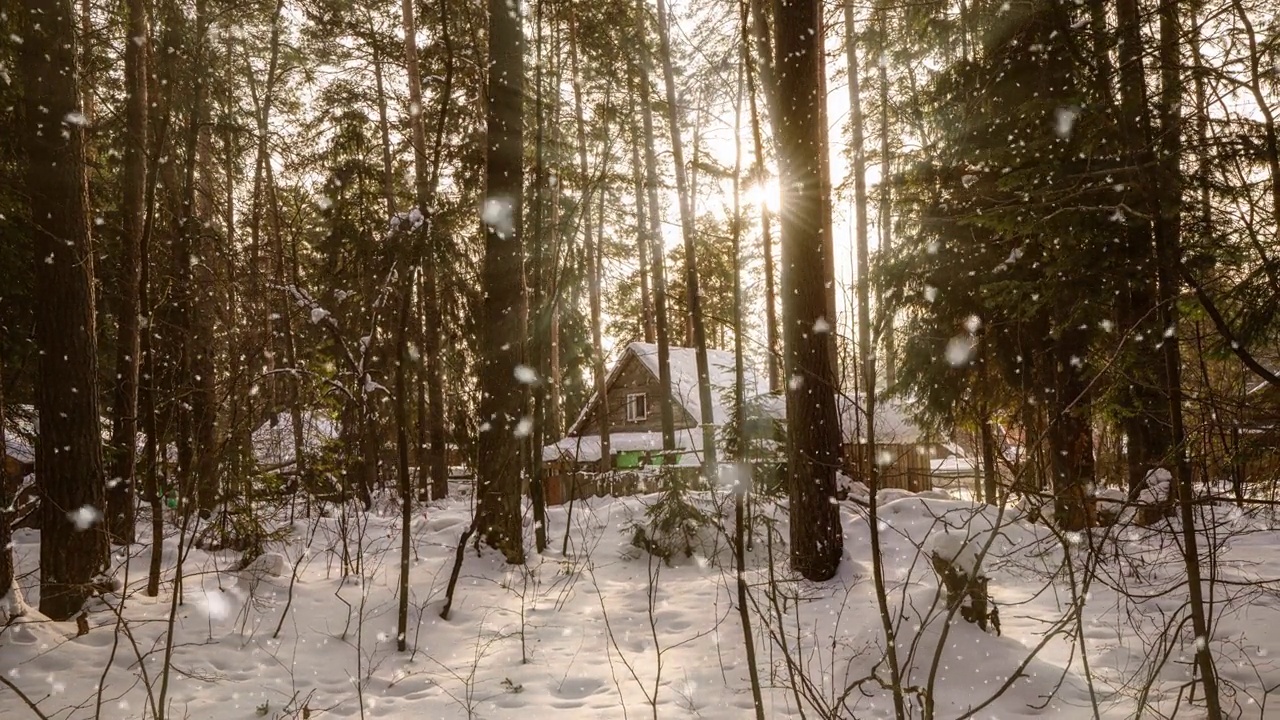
(408, 269)
(814, 435)
(642, 234)
(1169, 255)
(769, 84)
(592, 256)
(6, 544)
(555, 401)
(198, 430)
(665, 405)
(384, 126)
(1148, 438)
(766, 233)
(73, 544)
(159, 118)
(690, 254)
(741, 452)
(542, 298)
(866, 350)
(866, 346)
(824, 180)
(259, 199)
(885, 221)
(1070, 432)
(124, 426)
(990, 487)
(426, 173)
(502, 337)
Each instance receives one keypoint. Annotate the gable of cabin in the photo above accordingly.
(631, 384)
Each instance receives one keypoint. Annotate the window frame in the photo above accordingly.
(632, 416)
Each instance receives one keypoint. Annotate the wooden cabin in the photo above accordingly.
(19, 458)
(900, 459)
(633, 402)
(907, 457)
(574, 466)
(1255, 438)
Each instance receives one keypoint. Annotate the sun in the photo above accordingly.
(766, 194)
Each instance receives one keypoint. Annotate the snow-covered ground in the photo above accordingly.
(608, 631)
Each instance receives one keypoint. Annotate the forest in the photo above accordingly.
(696, 358)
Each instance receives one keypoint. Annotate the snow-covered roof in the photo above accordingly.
(20, 434)
(683, 362)
(586, 448)
(956, 465)
(1261, 386)
(893, 420)
(684, 378)
(274, 445)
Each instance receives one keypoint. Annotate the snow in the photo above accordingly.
(20, 434)
(1064, 119)
(1155, 488)
(526, 375)
(606, 628)
(954, 466)
(524, 427)
(954, 548)
(22, 427)
(273, 443)
(587, 447)
(85, 517)
(960, 350)
(498, 214)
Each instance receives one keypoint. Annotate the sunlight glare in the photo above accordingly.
(766, 194)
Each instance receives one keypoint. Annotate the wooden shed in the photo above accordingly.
(903, 454)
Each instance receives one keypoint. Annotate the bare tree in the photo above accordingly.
(590, 249)
(690, 250)
(643, 79)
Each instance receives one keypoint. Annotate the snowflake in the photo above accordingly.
(526, 375)
(85, 517)
(524, 427)
(1064, 119)
(960, 350)
(217, 606)
(497, 214)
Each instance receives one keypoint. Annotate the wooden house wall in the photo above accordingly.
(633, 378)
(908, 469)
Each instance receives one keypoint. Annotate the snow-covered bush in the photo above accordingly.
(956, 561)
(679, 524)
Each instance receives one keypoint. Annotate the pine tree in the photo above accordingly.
(121, 496)
(1011, 227)
(73, 543)
(502, 334)
(812, 429)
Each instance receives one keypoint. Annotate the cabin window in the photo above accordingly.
(637, 407)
